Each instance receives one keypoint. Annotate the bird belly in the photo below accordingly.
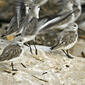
(28, 38)
(70, 45)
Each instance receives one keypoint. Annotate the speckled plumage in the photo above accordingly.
(55, 39)
(10, 52)
(67, 38)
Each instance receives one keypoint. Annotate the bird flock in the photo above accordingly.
(36, 22)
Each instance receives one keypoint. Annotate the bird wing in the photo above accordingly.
(40, 2)
(11, 51)
(20, 11)
(64, 39)
(17, 19)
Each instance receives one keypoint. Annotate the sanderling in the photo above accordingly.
(11, 52)
(58, 40)
(66, 39)
(36, 25)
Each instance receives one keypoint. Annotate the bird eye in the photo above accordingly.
(20, 40)
(29, 8)
(74, 25)
(6, 28)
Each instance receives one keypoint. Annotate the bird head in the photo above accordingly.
(74, 27)
(18, 40)
(33, 7)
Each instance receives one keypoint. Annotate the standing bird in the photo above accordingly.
(11, 52)
(66, 39)
(58, 40)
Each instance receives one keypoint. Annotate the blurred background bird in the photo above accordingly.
(36, 25)
(24, 12)
(67, 39)
(61, 7)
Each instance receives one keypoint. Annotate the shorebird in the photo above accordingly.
(36, 25)
(66, 39)
(56, 8)
(57, 21)
(24, 13)
(11, 52)
(23, 7)
(58, 41)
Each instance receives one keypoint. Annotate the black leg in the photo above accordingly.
(29, 47)
(67, 54)
(13, 67)
(33, 43)
(23, 65)
(36, 51)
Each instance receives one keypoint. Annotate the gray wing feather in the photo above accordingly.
(11, 51)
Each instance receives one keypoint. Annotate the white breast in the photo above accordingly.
(72, 44)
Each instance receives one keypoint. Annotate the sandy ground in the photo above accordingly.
(46, 68)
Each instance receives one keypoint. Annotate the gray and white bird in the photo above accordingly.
(36, 25)
(57, 21)
(31, 30)
(66, 39)
(58, 40)
(11, 51)
(24, 11)
(28, 6)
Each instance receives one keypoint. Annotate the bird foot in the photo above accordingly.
(12, 65)
(69, 56)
